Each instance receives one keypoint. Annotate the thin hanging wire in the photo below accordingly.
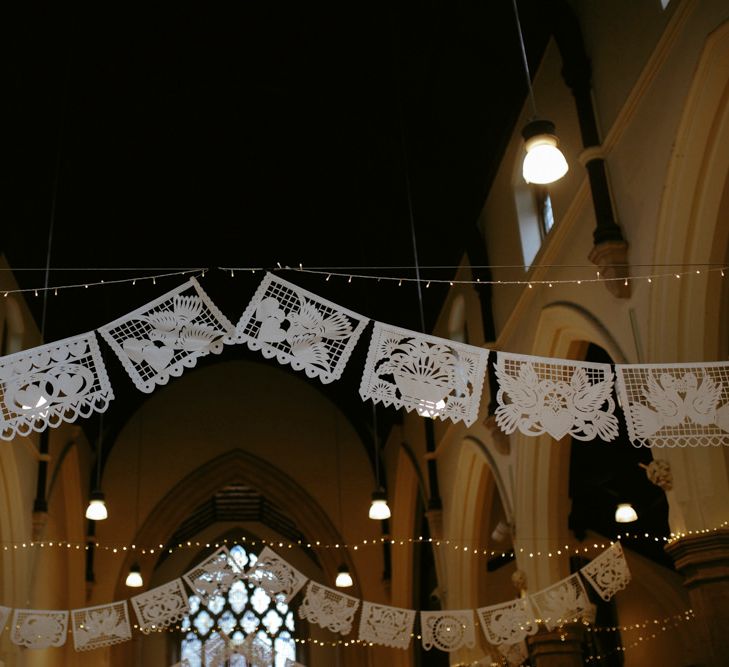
(99, 449)
(524, 59)
(377, 445)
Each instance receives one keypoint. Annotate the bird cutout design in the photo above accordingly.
(672, 401)
(535, 405)
(100, 626)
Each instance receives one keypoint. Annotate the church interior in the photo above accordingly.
(151, 149)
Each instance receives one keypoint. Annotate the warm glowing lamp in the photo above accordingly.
(544, 162)
(379, 509)
(96, 511)
(344, 579)
(625, 513)
(134, 578)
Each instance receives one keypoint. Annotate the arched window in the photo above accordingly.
(244, 610)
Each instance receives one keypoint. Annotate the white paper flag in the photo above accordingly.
(215, 575)
(509, 622)
(167, 335)
(275, 576)
(51, 384)
(608, 573)
(388, 626)
(564, 602)
(38, 628)
(447, 630)
(103, 625)
(561, 397)
(300, 328)
(328, 608)
(675, 405)
(435, 376)
(161, 606)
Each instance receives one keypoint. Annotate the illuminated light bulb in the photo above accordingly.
(134, 578)
(344, 578)
(543, 162)
(625, 513)
(379, 509)
(96, 511)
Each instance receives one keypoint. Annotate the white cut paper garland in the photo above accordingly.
(328, 608)
(161, 606)
(300, 328)
(562, 602)
(561, 397)
(608, 573)
(39, 628)
(162, 338)
(434, 376)
(508, 622)
(52, 384)
(275, 576)
(215, 575)
(675, 405)
(103, 625)
(388, 626)
(448, 630)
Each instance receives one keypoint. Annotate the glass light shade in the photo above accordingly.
(344, 579)
(96, 511)
(379, 509)
(544, 162)
(625, 513)
(134, 578)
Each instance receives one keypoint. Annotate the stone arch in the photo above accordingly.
(542, 505)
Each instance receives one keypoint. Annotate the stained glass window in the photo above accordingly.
(246, 609)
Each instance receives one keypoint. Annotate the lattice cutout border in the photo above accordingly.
(675, 405)
(160, 339)
(319, 335)
(561, 397)
(52, 384)
(102, 625)
(434, 376)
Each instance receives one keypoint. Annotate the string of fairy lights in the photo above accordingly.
(463, 547)
(386, 275)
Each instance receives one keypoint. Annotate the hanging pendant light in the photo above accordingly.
(344, 578)
(544, 162)
(134, 578)
(379, 509)
(625, 513)
(96, 511)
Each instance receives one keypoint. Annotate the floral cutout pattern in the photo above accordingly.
(214, 575)
(562, 603)
(328, 608)
(162, 338)
(300, 328)
(37, 628)
(509, 622)
(161, 606)
(608, 573)
(52, 384)
(275, 576)
(447, 630)
(538, 395)
(437, 377)
(103, 625)
(388, 626)
(675, 405)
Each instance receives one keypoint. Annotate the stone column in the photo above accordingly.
(704, 562)
(559, 648)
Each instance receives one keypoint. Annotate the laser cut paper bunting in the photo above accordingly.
(562, 603)
(388, 626)
(161, 606)
(52, 384)
(328, 608)
(103, 625)
(447, 630)
(215, 575)
(275, 576)
(162, 338)
(608, 573)
(675, 405)
(300, 328)
(39, 628)
(437, 377)
(509, 622)
(539, 395)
